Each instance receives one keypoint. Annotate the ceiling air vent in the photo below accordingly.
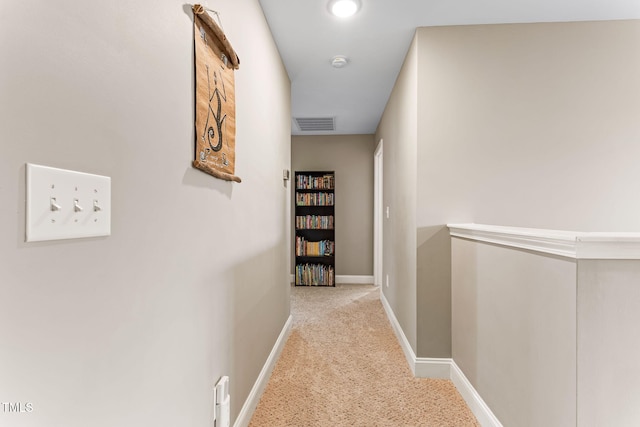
(315, 124)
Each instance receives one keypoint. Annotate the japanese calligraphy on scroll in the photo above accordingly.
(215, 110)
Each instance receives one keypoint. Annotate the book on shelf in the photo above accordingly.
(314, 222)
(312, 182)
(315, 275)
(318, 249)
(315, 199)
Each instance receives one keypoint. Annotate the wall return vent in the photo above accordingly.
(315, 124)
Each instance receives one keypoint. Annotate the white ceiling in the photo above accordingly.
(376, 41)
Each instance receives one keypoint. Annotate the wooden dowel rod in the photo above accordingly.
(206, 18)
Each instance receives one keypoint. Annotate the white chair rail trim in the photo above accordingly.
(570, 244)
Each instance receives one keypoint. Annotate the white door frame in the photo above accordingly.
(377, 214)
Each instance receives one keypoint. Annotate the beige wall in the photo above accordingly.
(548, 340)
(133, 329)
(398, 129)
(351, 157)
(514, 331)
(531, 125)
(608, 346)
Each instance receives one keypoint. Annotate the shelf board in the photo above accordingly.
(315, 257)
(316, 286)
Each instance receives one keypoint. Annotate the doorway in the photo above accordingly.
(377, 214)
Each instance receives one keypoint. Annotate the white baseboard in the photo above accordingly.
(441, 369)
(244, 417)
(409, 354)
(483, 413)
(355, 280)
(350, 280)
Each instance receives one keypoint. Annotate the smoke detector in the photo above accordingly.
(339, 61)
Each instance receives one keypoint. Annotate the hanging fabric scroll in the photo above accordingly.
(215, 62)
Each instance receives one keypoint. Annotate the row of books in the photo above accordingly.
(314, 199)
(321, 248)
(308, 182)
(315, 275)
(314, 222)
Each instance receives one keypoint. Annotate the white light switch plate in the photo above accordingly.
(64, 204)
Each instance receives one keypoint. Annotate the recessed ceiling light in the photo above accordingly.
(343, 8)
(339, 61)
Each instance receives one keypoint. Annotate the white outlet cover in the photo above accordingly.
(51, 198)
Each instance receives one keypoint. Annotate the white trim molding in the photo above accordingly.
(249, 407)
(409, 354)
(355, 280)
(570, 244)
(441, 368)
(430, 367)
(480, 409)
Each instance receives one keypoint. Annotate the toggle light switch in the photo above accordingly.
(54, 205)
(56, 201)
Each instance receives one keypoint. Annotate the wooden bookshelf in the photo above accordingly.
(314, 245)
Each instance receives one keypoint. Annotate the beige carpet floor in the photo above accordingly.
(342, 366)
